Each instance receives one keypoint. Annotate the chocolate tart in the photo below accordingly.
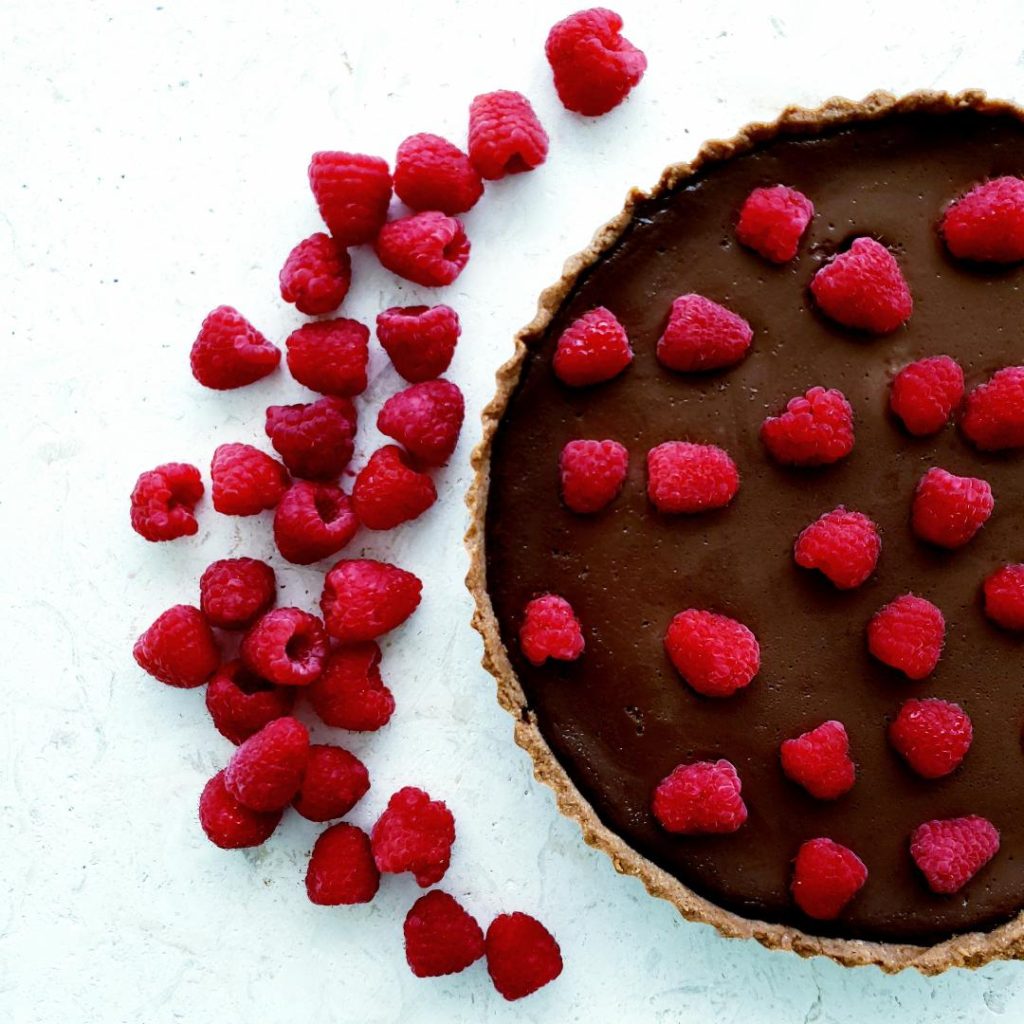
(603, 730)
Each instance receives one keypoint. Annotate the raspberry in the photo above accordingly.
(951, 851)
(335, 781)
(432, 174)
(286, 646)
(1004, 596)
(550, 629)
(994, 416)
(388, 491)
(592, 349)
(164, 500)
(925, 393)
(701, 335)
(819, 760)
(505, 136)
(843, 545)
(350, 693)
(908, 634)
(230, 353)
(230, 825)
(716, 655)
(179, 648)
(245, 480)
(241, 703)
(522, 955)
(426, 419)
(235, 592)
(316, 276)
(426, 248)
(364, 599)
(932, 736)
(987, 223)
(353, 192)
(592, 473)
(688, 478)
(330, 356)
(864, 288)
(595, 68)
(826, 876)
(440, 936)
(315, 440)
(265, 772)
(419, 340)
(703, 797)
(949, 510)
(815, 430)
(341, 871)
(773, 220)
(313, 521)
(414, 834)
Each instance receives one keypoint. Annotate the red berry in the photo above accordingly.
(287, 646)
(592, 349)
(414, 834)
(816, 429)
(241, 703)
(1004, 596)
(819, 760)
(353, 192)
(335, 781)
(689, 478)
(826, 876)
(341, 871)
(703, 797)
(951, 851)
(245, 480)
(230, 825)
(987, 223)
(426, 248)
(313, 521)
(265, 772)
(949, 510)
(314, 441)
(235, 592)
(432, 174)
(419, 340)
(388, 491)
(440, 936)
(363, 599)
(592, 474)
(330, 356)
(550, 629)
(505, 136)
(316, 276)
(843, 545)
(932, 736)
(701, 335)
(164, 500)
(908, 634)
(716, 655)
(773, 220)
(522, 955)
(350, 693)
(925, 393)
(230, 353)
(994, 416)
(425, 419)
(179, 648)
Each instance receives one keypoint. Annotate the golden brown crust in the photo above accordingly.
(972, 950)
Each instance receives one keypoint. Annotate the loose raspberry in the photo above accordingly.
(241, 703)
(388, 491)
(522, 955)
(363, 599)
(164, 500)
(350, 693)
(353, 192)
(440, 936)
(426, 248)
(987, 224)
(316, 276)
(816, 429)
(179, 648)
(1004, 596)
(592, 349)
(245, 480)
(592, 474)
(230, 353)
(701, 335)
(330, 356)
(314, 441)
(341, 871)
(994, 416)
(235, 592)
(773, 220)
(826, 876)
(432, 174)
(313, 521)
(414, 834)
(924, 394)
(265, 772)
(819, 760)
(426, 419)
(550, 629)
(689, 478)
(932, 736)
(419, 340)
(864, 288)
(951, 851)
(843, 545)
(505, 136)
(716, 655)
(335, 781)
(287, 646)
(230, 825)
(908, 634)
(703, 797)
(949, 510)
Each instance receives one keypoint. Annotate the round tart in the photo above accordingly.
(610, 701)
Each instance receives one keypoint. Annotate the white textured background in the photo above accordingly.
(152, 166)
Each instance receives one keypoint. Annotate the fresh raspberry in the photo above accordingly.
(419, 340)
(1004, 596)
(700, 797)
(313, 521)
(286, 646)
(908, 634)
(235, 592)
(592, 474)
(316, 276)
(314, 440)
(716, 655)
(819, 760)
(688, 478)
(353, 192)
(388, 491)
(432, 174)
(335, 781)
(245, 480)
(949, 510)
(330, 356)
(414, 834)
(595, 68)
(932, 736)
(951, 851)
(230, 353)
(843, 545)
(350, 693)
(179, 648)
(924, 394)
(701, 335)
(241, 703)
(164, 500)
(987, 223)
(826, 876)
(864, 288)
(265, 772)
(994, 416)
(773, 220)
(505, 136)
(550, 629)
(341, 871)
(363, 599)
(522, 955)
(592, 349)
(425, 419)
(815, 430)
(440, 936)
(230, 825)
(426, 248)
